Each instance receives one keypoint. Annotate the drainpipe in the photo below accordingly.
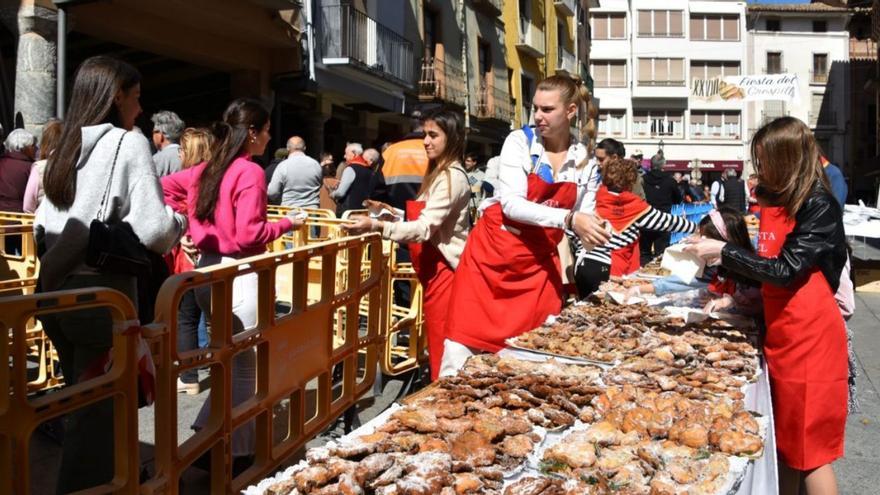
(61, 68)
(465, 65)
(310, 39)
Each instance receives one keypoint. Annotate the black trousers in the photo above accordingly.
(652, 244)
(188, 315)
(589, 275)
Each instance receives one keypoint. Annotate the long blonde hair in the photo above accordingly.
(788, 164)
(572, 90)
(196, 144)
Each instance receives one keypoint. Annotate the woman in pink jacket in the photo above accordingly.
(226, 206)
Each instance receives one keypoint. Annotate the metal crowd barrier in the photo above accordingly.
(18, 276)
(312, 363)
(21, 413)
(406, 343)
(693, 212)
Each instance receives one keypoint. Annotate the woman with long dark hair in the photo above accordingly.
(438, 224)
(226, 202)
(79, 174)
(801, 254)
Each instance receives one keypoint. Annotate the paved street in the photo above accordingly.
(858, 472)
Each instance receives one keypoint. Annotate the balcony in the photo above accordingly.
(531, 39)
(661, 84)
(494, 103)
(442, 80)
(348, 37)
(565, 7)
(493, 8)
(565, 62)
(818, 77)
(862, 49)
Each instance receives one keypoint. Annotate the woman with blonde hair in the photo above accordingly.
(438, 224)
(509, 280)
(801, 254)
(195, 148)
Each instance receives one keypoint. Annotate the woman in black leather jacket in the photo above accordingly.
(801, 252)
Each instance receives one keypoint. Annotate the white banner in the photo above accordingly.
(783, 87)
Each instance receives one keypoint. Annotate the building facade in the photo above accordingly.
(811, 41)
(644, 63)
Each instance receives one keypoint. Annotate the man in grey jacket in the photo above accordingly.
(297, 180)
(167, 129)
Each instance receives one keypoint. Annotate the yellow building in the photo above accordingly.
(543, 37)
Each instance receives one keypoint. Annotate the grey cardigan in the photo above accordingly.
(135, 197)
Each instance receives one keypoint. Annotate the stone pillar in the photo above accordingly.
(35, 77)
(369, 124)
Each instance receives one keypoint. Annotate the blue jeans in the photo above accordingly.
(673, 283)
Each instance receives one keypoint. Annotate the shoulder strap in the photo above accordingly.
(530, 138)
(100, 215)
(473, 206)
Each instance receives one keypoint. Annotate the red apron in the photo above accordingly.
(508, 280)
(806, 354)
(622, 209)
(436, 276)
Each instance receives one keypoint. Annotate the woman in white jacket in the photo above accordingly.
(103, 107)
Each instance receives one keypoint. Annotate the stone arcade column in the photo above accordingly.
(35, 76)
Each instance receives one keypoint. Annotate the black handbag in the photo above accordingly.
(115, 248)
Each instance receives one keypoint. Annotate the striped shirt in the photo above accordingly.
(652, 219)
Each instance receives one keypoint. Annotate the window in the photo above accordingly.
(820, 26)
(612, 123)
(820, 68)
(608, 73)
(661, 72)
(609, 26)
(774, 63)
(821, 113)
(720, 125)
(527, 86)
(657, 123)
(484, 57)
(773, 109)
(714, 27)
(773, 24)
(660, 23)
(432, 32)
(701, 69)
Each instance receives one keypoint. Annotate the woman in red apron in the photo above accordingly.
(509, 280)
(437, 226)
(801, 252)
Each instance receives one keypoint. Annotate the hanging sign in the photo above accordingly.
(784, 87)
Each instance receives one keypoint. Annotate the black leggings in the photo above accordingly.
(589, 275)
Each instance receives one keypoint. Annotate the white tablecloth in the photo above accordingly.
(761, 476)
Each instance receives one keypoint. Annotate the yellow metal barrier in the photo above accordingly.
(21, 414)
(16, 218)
(18, 271)
(318, 359)
(278, 210)
(18, 276)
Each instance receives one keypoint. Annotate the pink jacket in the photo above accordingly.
(239, 228)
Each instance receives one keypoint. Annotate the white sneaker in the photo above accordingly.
(187, 388)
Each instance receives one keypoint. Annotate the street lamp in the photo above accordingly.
(660, 144)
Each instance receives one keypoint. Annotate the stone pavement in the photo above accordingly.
(857, 473)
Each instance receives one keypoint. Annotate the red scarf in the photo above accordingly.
(359, 160)
(721, 286)
(621, 209)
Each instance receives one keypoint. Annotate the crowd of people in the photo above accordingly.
(485, 244)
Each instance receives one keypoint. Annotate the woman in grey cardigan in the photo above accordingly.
(103, 107)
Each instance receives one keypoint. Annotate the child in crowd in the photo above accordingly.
(733, 292)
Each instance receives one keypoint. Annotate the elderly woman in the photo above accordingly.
(15, 168)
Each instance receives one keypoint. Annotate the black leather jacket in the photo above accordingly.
(818, 239)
